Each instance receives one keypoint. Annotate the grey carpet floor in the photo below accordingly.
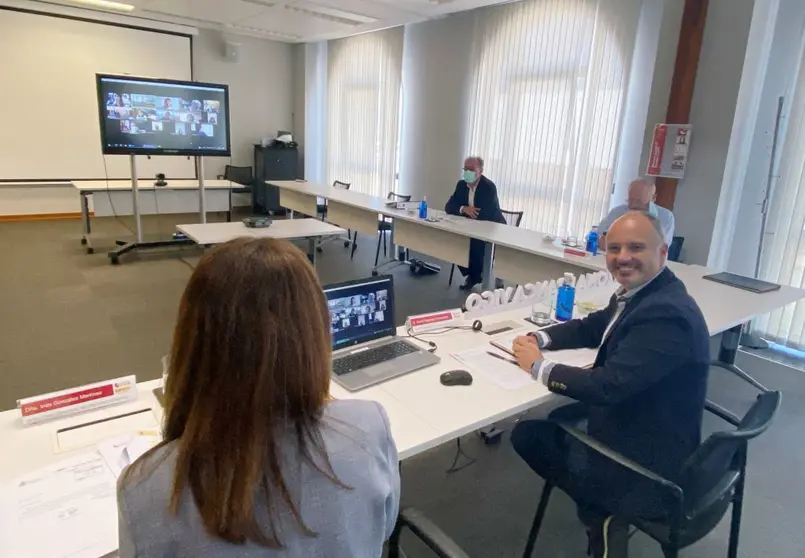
(69, 318)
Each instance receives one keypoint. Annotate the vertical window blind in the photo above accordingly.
(364, 80)
(546, 106)
(783, 253)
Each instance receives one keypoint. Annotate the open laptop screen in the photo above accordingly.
(361, 310)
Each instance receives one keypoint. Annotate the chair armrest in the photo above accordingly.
(721, 413)
(427, 531)
(621, 460)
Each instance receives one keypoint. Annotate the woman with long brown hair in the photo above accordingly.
(256, 459)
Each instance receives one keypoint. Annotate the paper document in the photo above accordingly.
(500, 369)
(121, 451)
(505, 341)
(66, 510)
(583, 358)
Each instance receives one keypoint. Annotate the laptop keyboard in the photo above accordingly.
(365, 359)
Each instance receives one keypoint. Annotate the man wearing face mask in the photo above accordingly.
(643, 397)
(475, 197)
(642, 194)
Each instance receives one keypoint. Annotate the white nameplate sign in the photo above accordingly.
(525, 296)
(434, 320)
(75, 400)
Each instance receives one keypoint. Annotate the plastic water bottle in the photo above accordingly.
(423, 208)
(592, 240)
(565, 298)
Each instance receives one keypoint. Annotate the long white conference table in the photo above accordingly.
(422, 412)
(520, 255)
(312, 230)
(114, 198)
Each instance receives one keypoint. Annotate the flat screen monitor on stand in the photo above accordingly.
(147, 116)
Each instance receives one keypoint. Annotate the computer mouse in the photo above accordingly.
(456, 378)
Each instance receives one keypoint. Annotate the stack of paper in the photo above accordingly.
(68, 509)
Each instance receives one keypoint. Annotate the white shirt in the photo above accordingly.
(471, 195)
(666, 219)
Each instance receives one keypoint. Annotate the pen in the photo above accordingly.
(490, 353)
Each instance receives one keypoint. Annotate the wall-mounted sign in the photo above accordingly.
(669, 150)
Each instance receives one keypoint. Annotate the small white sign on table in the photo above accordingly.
(526, 296)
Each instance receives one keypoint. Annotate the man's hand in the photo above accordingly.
(470, 211)
(526, 352)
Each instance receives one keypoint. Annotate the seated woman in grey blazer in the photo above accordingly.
(257, 459)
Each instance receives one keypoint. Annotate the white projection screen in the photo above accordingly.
(49, 130)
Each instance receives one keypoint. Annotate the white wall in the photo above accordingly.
(437, 73)
(779, 81)
(647, 57)
(712, 111)
(260, 91)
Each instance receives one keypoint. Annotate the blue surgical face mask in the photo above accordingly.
(652, 209)
(469, 176)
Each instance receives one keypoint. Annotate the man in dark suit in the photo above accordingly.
(644, 396)
(475, 197)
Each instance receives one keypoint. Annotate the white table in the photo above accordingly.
(447, 238)
(423, 413)
(114, 197)
(208, 234)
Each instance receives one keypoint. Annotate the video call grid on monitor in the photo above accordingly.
(360, 311)
(160, 117)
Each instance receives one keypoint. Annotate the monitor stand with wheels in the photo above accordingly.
(139, 244)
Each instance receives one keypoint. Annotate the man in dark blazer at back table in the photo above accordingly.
(475, 197)
(643, 397)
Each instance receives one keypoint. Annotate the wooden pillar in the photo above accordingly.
(691, 36)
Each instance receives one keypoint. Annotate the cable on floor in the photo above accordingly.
(460, 452)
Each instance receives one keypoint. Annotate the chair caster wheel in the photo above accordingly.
(83, 242)
(375, 274)
(90, 250)
(115, 260)
(319, 249)
(347, 243)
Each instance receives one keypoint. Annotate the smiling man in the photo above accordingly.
(643, 397)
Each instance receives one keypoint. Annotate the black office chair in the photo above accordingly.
(694, 503)
(675, 249)
(426, 531)
(384, 224)
(513, 218)
(237, 175)
(321, 210)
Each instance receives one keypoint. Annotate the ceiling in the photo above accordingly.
(291, 20)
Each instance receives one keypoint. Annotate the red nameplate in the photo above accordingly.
(76, 400)
(433, 320)
(575, 252)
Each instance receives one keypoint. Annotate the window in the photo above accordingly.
(546, 106)
(783, 250)
(363, 107)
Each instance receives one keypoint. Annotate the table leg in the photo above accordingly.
(311, 250)
(85, 240)
(487, 277)
(730, 341)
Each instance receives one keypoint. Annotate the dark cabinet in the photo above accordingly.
(272, 163)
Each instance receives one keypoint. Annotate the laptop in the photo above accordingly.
(741, 282)
(366, 350)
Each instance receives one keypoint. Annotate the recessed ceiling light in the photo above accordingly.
(333, 14)
(264, 3)
(106, 5)
(261, 31)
